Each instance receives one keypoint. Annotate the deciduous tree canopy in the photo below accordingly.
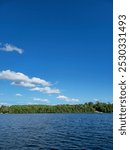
(66, 108)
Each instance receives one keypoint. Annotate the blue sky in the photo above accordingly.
(55, 51)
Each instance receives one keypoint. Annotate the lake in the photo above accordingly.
(56, 132)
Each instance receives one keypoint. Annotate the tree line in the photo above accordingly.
(90, 107)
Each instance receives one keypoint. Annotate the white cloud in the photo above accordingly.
(24, 84)
(40, 99)
(46, 90)
(10, 48)
(18, 95)
(34, 83)
(14, 76)
(40, 81)
(67, 99)
(21, 79)
(97, 100)
(30, 103)
(5, 104)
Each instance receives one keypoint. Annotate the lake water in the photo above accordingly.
(56, 132)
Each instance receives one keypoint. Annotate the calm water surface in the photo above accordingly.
(56, 132)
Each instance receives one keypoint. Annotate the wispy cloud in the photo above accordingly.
(67, 99)
(41, 100)
(46, 90)
(21, 79)
(30, 103)
(10, 48)
(5, 104)
(18, 95)
(24, 84)
(34, 83)
(102, 100)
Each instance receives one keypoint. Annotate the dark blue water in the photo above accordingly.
(56, 132)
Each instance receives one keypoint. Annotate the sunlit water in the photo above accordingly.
(56, 132)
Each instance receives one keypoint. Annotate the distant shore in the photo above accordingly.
(98, 107)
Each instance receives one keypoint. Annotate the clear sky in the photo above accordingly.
(55, 51)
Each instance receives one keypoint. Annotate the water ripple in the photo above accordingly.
(56, 132)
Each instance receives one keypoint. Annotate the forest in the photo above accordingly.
(90, 107)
